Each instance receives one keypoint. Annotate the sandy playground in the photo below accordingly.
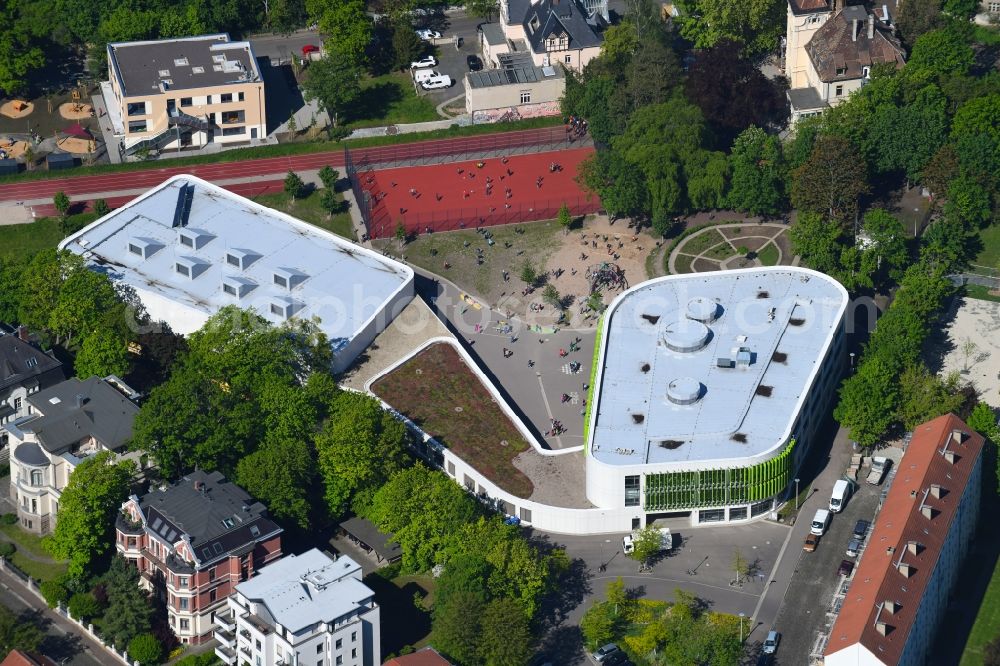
(14, 149)
(74, 145)
(978, 322)
(16, 108)
(75, 111)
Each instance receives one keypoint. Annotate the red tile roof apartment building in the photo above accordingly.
(900, 590)
(193, 542)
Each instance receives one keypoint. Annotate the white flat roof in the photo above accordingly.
(328, 277)
(301, 590)
(710, 366)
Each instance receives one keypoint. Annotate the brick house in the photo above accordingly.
(192, 543)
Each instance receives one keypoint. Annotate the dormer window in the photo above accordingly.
(194, 239)
(240, 259)
(237, 286)
(143, 247)
(189, 267)
(287, 278)
(281, 280)
(284, 308)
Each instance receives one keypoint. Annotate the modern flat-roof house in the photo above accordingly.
(190, 248)
(65, 424)
(302, 609)
(192, 543)
(187, 91)
(830, 50)
(708, 391)
(551, 32)
(515, 92)
(24, 370)
(900, 591)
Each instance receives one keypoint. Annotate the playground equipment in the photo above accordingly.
(606, 275)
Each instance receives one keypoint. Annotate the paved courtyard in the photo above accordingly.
(971, 346)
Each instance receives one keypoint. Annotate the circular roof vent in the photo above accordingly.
(702, 309)
(686, 335)
(684, 391)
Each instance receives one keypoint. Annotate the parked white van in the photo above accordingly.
(820, 522)
(422, 75)
(841, 492)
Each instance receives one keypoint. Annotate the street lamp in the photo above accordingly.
(796, 494)
(742, 615)
(852, 360)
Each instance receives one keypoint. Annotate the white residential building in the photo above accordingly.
(303, 609)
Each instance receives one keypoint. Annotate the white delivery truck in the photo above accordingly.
(666, 540)
(880, 466)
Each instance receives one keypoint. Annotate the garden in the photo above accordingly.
(440, 393)
(729, 245)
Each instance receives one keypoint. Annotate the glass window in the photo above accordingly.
(225, 97)
(632, 490)
(839, 91)
(234, 131)
(183, 605)
(36, 477)
(340, 643)
(229, 289)
(760, 507)
(187, 241)
(277, 310)
(739, 513)
(525, 96)
(711, 515)
(319, 649)
(233, 260)
(240, 97)
(280, 281)
(183, 270)
(185, 624)
(569, 59)
(135, 249)
(187, 101)
(211, 574)
(137, 126)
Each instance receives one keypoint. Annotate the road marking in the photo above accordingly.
(548, 410)
(767, 585)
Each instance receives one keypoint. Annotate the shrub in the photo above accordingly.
(145, 649)
(54, 592)
(203, 659)
(9, 519)
(7, 549)
(83, 606)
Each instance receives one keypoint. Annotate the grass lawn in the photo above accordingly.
(682, 264)
(699, 242)
(396, 597)
(989, 257)
(721, 251)
(768, 255)
(26, 541)
(40, 571)
(308, 209)
(980, 292)
(21, 240)
(441, 394)
(390, 99)
(536, 243)
(987, 626)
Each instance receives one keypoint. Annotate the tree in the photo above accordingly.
(335, 83)
(552, 296)
(648, 542)
(62, 203)
(102, 353)
(400, 234)
(620, 41)
(886, 240)
(128, 24)
(818, 242)
(831, 180)
(85, 523)
(146, 649)
(18, 633)
(329, 201)
(945, 52)
(457, 621)
(505, 636)
(917, 17)
(869, 401)
(280, 474)
(484, 9)
(740, 566)
(598, 626)
(757, 180)
(406, 46)
(756, 24)
(924, 396)
(940, 169)
(284, 15)
(620, 187)
(903, 138)
(84, 606)
(129, 612)
(329, 177)
(101, 207)
(968, 204)
(346, 27)
(732, 93)
(528, 273)
(294, 187)
(565, 218)
(653, 73)
(359, 448)
(21, 50)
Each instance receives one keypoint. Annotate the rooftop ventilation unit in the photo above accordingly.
(143, 247)
(652, 319)
(702, 309)
(671, 444)
(684, 391)
(185, 195)
(194, 239)
(686, 335)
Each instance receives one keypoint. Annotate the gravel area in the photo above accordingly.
(977, 322)
(558, 480)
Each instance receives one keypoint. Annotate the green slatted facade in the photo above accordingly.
(719, 487)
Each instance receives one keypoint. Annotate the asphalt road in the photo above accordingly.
(815, 578)
(61, 643)
(282, 47)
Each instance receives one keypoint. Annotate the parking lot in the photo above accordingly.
(810, 593)
(452, 61)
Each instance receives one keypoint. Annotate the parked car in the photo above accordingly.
(853, 548)
(880, 466)
(845, 568)
(771, 642)
(812, 540)
(820, 522)
(428, 35)
(842, 490)
(436, 82)
(429, 61)
(422, 75)
(617, 658)
(474, 63)
(309, 48)
(604, 652)
(861, 529)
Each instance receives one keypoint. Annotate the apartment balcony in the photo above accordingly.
(227, 638)
(227, 655)
(245, 651)
(226, 620)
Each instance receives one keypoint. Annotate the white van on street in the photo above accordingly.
(841, 492)
(820, 522)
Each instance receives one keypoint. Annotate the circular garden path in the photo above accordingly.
(732, 245)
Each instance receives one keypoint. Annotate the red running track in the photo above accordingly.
(84, 187)
(445, 197)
